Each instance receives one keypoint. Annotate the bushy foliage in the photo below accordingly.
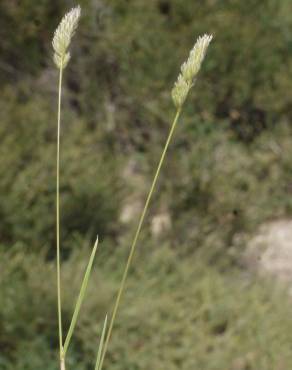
(89, 188)
(228, 170)
(176, 314)
(132, 50)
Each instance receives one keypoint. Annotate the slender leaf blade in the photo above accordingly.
(80, 297)
(100, 348)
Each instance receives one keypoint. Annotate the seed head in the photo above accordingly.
(190, 69)
(63, 36)
(180, 91)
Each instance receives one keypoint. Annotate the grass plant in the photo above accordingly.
(186, 80)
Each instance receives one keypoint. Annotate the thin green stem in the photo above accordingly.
(62, 363)
(58, 221)
(133, 246)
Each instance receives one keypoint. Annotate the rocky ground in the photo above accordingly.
(269, 252)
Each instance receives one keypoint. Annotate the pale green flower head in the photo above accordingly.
(180, 91)
(63, 36)
(190, 69)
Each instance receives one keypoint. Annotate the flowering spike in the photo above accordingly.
(180, 91)
(63, 36)
(189, 70)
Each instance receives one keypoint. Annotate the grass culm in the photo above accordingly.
(186, 79)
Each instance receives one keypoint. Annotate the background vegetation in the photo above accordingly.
(189, 304)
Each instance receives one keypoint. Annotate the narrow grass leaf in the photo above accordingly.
(100, 348)
(80, 297)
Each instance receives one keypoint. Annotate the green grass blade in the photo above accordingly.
(80, 297)
(100, 348)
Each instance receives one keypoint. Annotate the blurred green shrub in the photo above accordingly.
(184, 313)
(89, 188)
(220, 190)
(132, 49)
(180, 313)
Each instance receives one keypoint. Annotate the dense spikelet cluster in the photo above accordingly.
(63, 36)
(189, 70)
